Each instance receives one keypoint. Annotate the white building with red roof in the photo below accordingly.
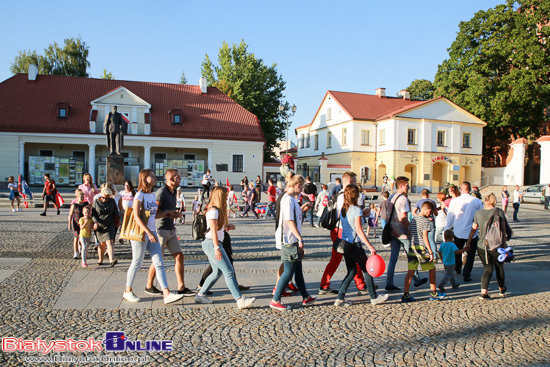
(54, 124)
(431, 142)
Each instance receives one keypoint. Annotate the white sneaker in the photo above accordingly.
(13, 210)
(172, 297)
(202, 299)
(342, 303)
(130, 297)
(19, 210)
(245, 302)
(380, 299)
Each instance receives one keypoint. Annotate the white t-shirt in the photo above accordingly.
(213, 214)
(149, 203)
(205, 179)
(516, 196)
(288, 204)
(441, 218)
(180, 201)
(127, 199)
(230, 197)
(12, 186)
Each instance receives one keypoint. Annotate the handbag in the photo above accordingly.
(289, 251)
(342, 246)
(386, 232)
(130, 229)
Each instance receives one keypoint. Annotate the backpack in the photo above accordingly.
(497, 232)
(198, 227)
(330, 218)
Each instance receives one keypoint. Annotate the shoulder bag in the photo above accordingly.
(386, 232)
(130, 229)
(289, 251)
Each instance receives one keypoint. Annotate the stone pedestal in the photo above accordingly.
(115, 169)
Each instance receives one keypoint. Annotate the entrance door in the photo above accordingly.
(440, 176)
(410, 172)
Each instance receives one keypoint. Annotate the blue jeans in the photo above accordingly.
(431, 239)
(218, 267)
(396, 245)
(138, 253)
(516, 210)
(383, 223)
(271, 208)
(291, 268)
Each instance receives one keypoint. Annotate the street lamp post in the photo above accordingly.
(281, 110)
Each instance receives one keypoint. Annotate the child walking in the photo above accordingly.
(196, 206)
(180, 206)
(372, 220)
(85, 223)
(75, 214)
(421, 253)
(447, 251)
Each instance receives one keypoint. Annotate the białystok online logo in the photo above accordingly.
(115, 341)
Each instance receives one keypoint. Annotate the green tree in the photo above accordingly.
(107, 75)
(254, 85)
(499, 70)
(183, 79)
(421, 89)
(71, 60)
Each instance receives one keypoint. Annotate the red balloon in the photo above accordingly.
(257, 211)
(262, 210)
(376, 266)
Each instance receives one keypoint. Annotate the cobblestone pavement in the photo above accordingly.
(37, 271)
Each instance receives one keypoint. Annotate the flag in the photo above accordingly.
(227, 184)
(24, 190)
(59, 200)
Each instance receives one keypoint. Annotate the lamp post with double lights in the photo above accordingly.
(293, 111)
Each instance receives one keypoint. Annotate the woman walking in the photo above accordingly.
(217, 221)
(145, 200)
(289, 232)
(14, 194)
(104, 212)
(488, 257)
(88, 188)
(517, 201)
(351, 218)
(206, 183)
(505, 197)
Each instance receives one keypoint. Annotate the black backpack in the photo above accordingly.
(198, 227)
(330, 218)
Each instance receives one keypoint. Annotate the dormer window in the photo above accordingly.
(176, 117)
(63, 110)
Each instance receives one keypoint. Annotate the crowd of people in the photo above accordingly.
(445, 230)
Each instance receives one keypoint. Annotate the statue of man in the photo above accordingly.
(114, 129)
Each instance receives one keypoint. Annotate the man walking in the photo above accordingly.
(460, 218)
(400, 235)
(310, 191)
(167, 212)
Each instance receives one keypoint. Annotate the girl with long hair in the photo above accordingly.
(145, 200)
(217, 221)
(351, 218)
(88, 188)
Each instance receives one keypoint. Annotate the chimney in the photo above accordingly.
(405, 94)
(33, 72)
(203, 84)
(381, 92)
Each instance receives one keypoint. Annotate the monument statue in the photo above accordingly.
(115, 127)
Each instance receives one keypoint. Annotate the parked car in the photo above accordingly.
(533, 194)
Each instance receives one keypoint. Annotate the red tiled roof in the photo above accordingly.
(347, 166)
(543, 138)
(30, 106)
(519, 141)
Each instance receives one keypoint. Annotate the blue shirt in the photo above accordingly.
(335, 190)
(348, 223)
(448, 251)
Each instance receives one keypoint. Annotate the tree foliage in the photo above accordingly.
(254, 85)
(421, 89)
(499, 69)
(71, 60)
(183, 79)
(107, 75)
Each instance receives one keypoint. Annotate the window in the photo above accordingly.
(316, 141)
(45, 153)
(344, 136)
(62, 113)
(307, 140)
(79, 154)
(190, 157)
(177, 119)
(63, 110)
(329, 113)
(238, 163)
(329, 139)
(365, 137)
(466, 140)
(441, 139)
(176, 116)
(411, 136)
(301, 141)
(382, 137)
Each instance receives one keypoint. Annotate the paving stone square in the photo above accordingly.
(46, 294)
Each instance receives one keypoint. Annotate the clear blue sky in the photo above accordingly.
(352, 46)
